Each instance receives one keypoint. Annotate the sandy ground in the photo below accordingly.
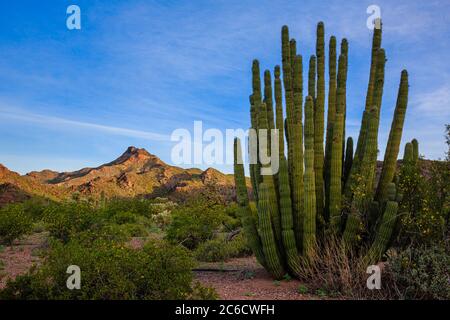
(249, 282)
(20, 257)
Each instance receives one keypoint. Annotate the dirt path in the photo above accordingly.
(20, 257)
(251, 282)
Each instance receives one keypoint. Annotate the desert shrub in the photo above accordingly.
(195, 222)
(111, 271)
(212, 250)
(109, 233)
(65, 220)
(14, 223)
(220, 249)
(162, 219)
(422, 218)
(124, 217)
(35, 207)
(134, 230)
(136, 206)
(421, 273)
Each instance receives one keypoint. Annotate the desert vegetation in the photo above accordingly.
(139, 228)
(126, 248)
(325, 215)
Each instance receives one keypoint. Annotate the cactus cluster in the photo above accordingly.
(322, 188)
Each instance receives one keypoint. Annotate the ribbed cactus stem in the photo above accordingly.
(296, 152)
(312, 78)
(348, 159)
(287, 224)
(408, 154)
(319, 109)
(362, 198)
(395, 136)
(376, 45)
(287, 76)
(247, 219)
(383, 234)
(415, 145)
(269, 244)
(331, 113)
(370, 165)
(309, 223)
(268, 179)
(335, 203)
(279, 111)
(376, 100)
(344, 51)
(254, 171)
(268, 99)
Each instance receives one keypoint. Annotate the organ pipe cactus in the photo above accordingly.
(319, 182)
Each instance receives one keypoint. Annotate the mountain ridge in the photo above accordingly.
(136, 172)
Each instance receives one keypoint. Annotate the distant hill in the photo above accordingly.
(135, 173)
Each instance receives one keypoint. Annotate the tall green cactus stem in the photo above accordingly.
(344, 51)
(268, 179)
(279, 111)
(395, 136)
(296, 169)
(335, 203)
(297, 87)
(368, 171)
(256, 82)
(254, 165)
(247, 218)
(376, 45)
(348, 159)
(312, 78)
(331, 113)
(289, 98)
(270, 248)
(408, 154)
(287, 80)
(287, 224)
(376, 100)
(361, 199)
(415, 145)
(309, 223)
(383, 234)
(268, 99)
(293, 53)
(319, 109)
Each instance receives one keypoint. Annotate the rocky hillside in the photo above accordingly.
(135, 173)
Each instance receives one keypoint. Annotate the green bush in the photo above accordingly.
(14, 223)
(141, 207)
(65, 220)
(195, 223)
(421, 273)
(124, 217)
(221, 250)
(111, 271)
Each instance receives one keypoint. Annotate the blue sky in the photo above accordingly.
(137, 70)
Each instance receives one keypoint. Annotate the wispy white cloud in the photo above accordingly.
(63, 123)
(435, 103)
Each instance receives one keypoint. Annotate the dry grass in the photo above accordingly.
(338, 271)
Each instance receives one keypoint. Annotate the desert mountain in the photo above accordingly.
(135, 173)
